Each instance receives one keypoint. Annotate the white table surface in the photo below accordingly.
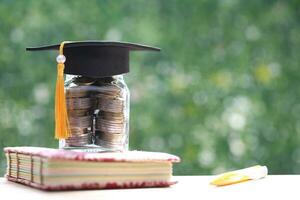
(189, 187)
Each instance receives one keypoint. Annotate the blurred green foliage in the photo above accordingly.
(222, 94)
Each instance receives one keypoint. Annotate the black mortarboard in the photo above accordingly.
(96, 58)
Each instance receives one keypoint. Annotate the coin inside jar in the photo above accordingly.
(78, 112)
(109, 89)
(111, 137)
(110, 105)
(78, 91)
(109, 129)
(78, 131)
(111, 116)
(79, 103)
(83, 80)
(111, 123)
(83, 122)
(84, 137)
(79, 140)
(107, 144)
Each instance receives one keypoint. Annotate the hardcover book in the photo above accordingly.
(56, 169)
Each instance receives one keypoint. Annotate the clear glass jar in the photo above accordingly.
(98, 112)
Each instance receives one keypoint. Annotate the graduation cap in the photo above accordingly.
(96, 58)
(87, 58)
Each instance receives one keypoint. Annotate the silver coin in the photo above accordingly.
(111, 137)
(78, 112)
(77, 144)
(82, 80)
(108, 121)
(82, 122)
(111, 114)
(109, 89)
(78, 103)
(78, 131)
(108, 144)
(107, 96)
(77, 140)
(86, 138)
(115, 118)
(81, 136)
(111, 108)
(111, 102)
(79, 91)
(110, 124)
(109, 129)
(112, 120)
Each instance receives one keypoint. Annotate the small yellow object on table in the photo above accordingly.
(242, 175)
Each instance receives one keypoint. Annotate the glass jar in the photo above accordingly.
(98, 113)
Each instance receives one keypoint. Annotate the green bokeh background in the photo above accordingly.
(222, 94)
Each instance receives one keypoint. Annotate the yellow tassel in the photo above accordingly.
(62, 128)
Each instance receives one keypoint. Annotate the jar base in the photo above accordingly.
(92, 149)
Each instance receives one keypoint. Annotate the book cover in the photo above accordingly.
(56, 169)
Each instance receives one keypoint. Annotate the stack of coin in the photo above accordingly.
(110, 122)
(79, 106)
(78, 103)
(80, 122)
(110, 140)
(79, 139)
(110, 104)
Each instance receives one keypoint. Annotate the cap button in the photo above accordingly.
(61, 59)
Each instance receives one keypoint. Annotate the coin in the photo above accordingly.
(80, 136)
(78, 91)
(77, 144)
(78, 103)
(82, 122)
(83, 80)
(111, 114)
(78, 112)
(110, 125)
(86, 140)
(79, 140)
(112, 105)
(109, 89)
(104, 80)
(78, 131)
(109, 145)
(109, 129)
(111, 137)
(116, 120)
